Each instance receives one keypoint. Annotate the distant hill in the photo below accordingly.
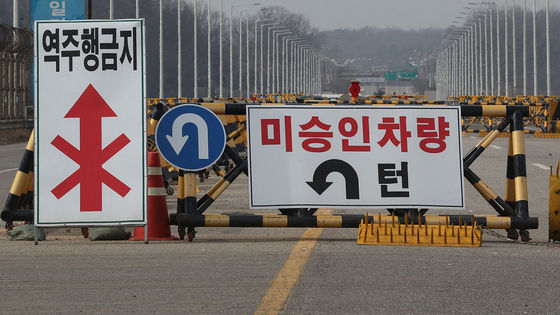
(391, 47)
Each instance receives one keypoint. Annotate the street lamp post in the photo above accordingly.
(195, 52)
(209, 55)
(506, 47)
(231, 44)
(498, 50)
(179, 68)
(524, 47)
(275, 59)
(548, 91)
(534, 50)
(285, 60)
(256, 45)
(514, 49)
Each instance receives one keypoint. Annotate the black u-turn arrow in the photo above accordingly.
(320, 184)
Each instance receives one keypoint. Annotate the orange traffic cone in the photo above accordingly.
(158, 220)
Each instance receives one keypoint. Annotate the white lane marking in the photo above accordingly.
(472, 137)
(8, 170)
(544, 167)
(495, 147)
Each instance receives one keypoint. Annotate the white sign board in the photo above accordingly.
(90, 123)
(355, 156)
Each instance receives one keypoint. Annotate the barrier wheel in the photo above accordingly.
(182, 233)
(190, 234)
(524, 234)
(170, 191)
(512, 234)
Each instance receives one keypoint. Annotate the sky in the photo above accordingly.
(404, 14)
(355, 14)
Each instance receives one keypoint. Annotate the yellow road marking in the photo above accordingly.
(277, 295)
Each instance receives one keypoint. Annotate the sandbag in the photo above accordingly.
(26, 232)
(111, 233)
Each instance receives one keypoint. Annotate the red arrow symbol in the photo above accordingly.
(90, 108)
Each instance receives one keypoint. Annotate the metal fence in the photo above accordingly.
(16, 51)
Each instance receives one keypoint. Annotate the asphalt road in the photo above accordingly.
(272, 270)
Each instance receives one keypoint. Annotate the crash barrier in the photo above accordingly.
(554, 205)
(513, 212)
(538, 118)
(502, 99)
(19, 203)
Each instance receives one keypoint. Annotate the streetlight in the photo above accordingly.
(241, 51)
(221, 53)
(547, 52)
(209, 55)
(179, 69)
(195, 95)
(275, 58)
(256, 59)
(262, 60)
(524, 47)
(534, 50)
(285, 61)
(514, 49)
(506, 46)
(231, 44)
(272, 28)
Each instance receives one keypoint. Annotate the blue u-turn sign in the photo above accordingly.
(190, 137)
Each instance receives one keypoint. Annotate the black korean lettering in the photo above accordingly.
(109, 61)
(70, 54)
(388, 175)
(55, 59)
(126, 50)
(51, 40)
(113, 43)
(90, 40)
(91, 62)
(70, 38)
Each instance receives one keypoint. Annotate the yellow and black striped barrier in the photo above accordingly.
(554, 205)
(343, 220)
(18, 200)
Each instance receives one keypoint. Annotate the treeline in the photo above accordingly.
(370, 46)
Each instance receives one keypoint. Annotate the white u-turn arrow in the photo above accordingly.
(177, 140)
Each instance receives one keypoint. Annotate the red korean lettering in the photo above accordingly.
(316, 141)
(352, 131)
(390, 126)
(270, 132)
(434, 137)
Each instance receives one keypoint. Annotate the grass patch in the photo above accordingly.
(9, 136)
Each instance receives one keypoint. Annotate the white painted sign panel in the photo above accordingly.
(355, 156)
(90, 123)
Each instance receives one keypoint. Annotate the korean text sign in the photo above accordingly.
(90, 123)
(355, 156)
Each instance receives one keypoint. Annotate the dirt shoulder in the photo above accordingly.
(10, 136)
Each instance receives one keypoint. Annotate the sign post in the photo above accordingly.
(90, 124)
(355, 156)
